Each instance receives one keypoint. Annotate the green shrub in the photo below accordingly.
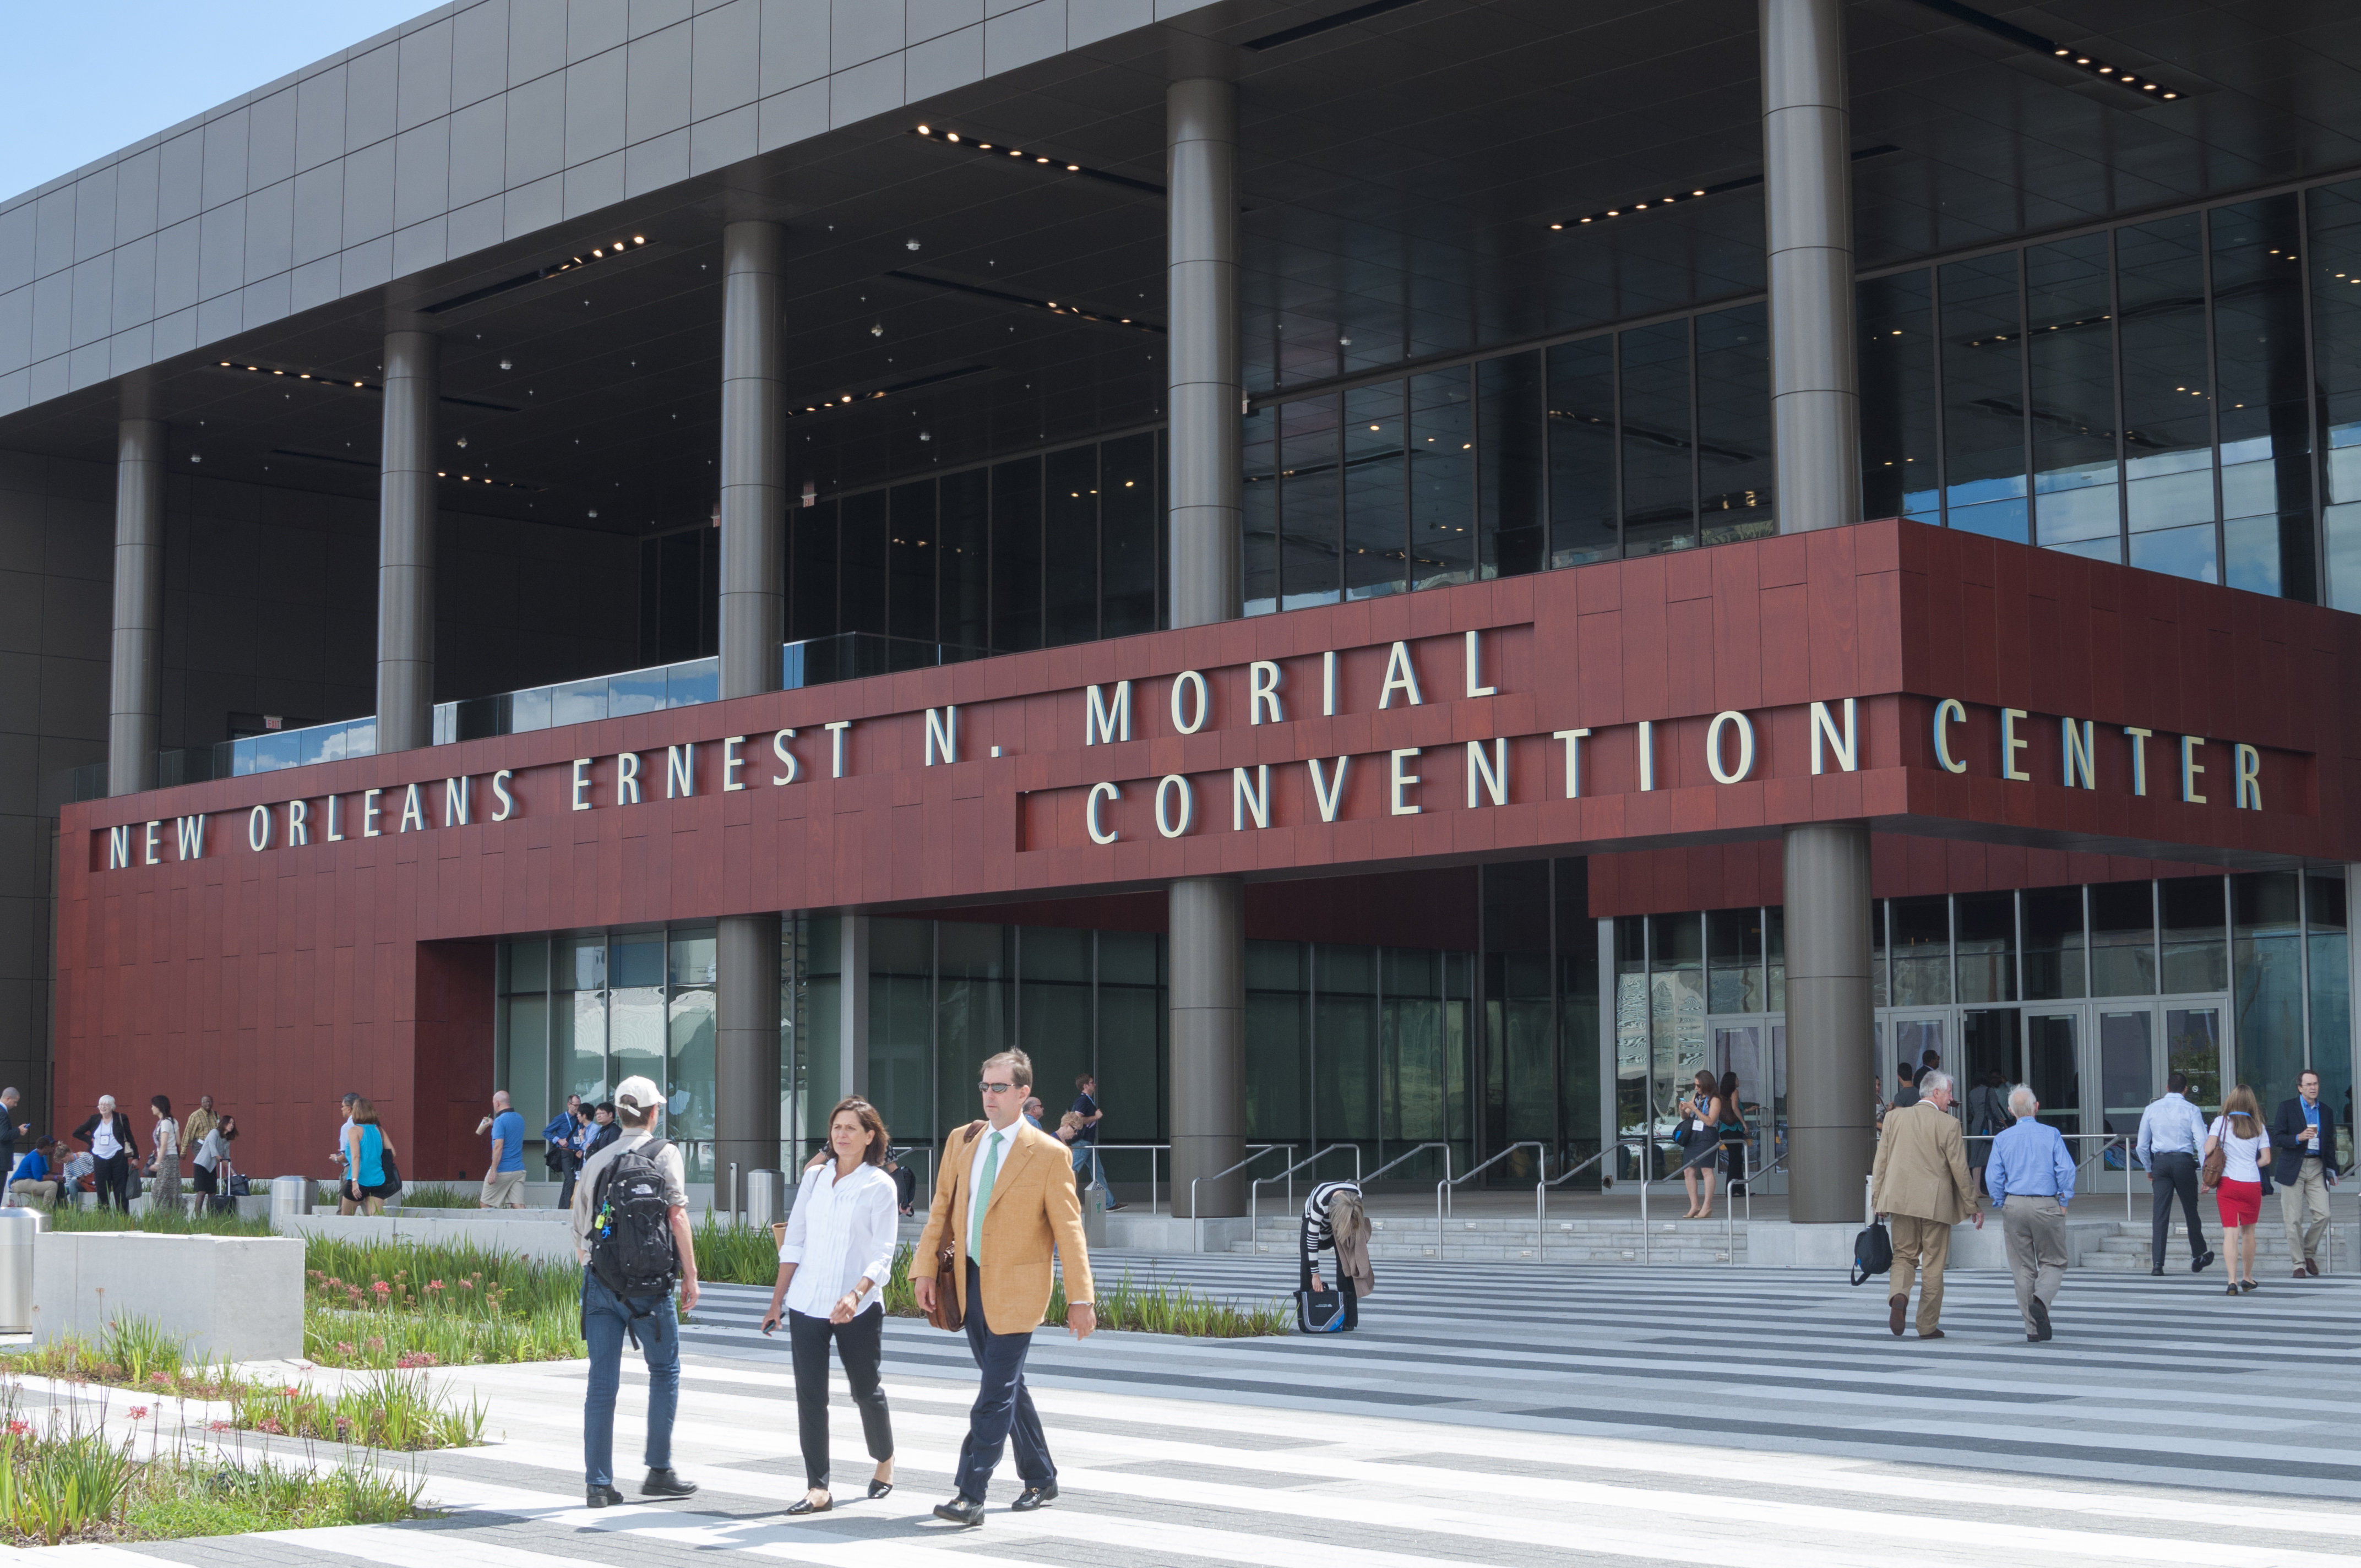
(55, 1486)
(393, 1410)
(438, 1195)
(171, 1224)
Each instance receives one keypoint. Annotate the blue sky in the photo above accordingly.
(85, 77)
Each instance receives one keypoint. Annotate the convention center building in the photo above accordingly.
(1478, 558)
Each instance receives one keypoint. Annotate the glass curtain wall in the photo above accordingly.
(1539, 1047)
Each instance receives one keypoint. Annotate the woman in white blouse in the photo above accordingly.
(832, 1272)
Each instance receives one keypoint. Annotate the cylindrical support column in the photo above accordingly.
(754, 466)
(135, 701)
(1832, 1063)
(754, 461)
(1808, 209)
(1201, 278)
(1209, 1007)
(405, 544)
(1206, 921)
(746, 1043)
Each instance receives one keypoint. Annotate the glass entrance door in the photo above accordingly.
(1914, 1035)
(2053, 1071)
(1738, 1048)
(2192, 1045)
(2130, 1072)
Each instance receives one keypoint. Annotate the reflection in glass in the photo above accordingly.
(688, 1104)
(2259, 361)
(2195, 954)
(2051, 1068)
(1897, 355)
(1983, 397)
(1733, 940)
(2268, 959)
(1259, 511)
(1278, 1021)
(1015, 557)
(1582, 452)
(1069, 546)
(1734, 499)
(2336, 264)
(2123, 938)
(1441, 479)
(1987, 943)
(2168, 412)
(811, 588)
(864, 539)
(2332, 1002)
(2053, 943)
(1633, 1129)
(1922, 952)
(2126, 1070)
(1310, 571)
(2071, 346)
(1659, 489)
(2193, 1038)
(1513, 529)
(1377, 525)
(1129, 505)
(964, 574)
(910, 562)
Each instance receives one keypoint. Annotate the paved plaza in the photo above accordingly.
(1565, 1415)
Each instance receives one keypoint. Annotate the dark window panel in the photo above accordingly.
(1163, 530)
(910, 591)
(708, 592)
(1659, 487)
(1582, 452)
(1897, 355)
(964, 575)
(863, 535)
(1310, 568)
(1513, 522)
(2266, 424)
(1016, 556)
(651, 601)
(681, 613)
(2336, 252)
(1128, 505)
(1259, 511)
(2167, 411)
(1734, 499)
(2077, 500)
(1377, 525)
(1983, 397)
(1441, 479)
(1069, 548)
(812, 608)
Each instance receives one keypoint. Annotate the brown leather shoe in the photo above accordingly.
(1894, 1307)
(2299, 1274)
(1930, 1333)
(2311, 1265)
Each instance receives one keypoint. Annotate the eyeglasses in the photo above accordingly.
(995, 1087)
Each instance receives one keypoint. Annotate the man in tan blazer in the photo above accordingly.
(1921, 1183)
(1005, 1198)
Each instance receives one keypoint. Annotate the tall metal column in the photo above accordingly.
(405, 544)
(135, 701)
(1816, 443)
(1206, 921)
(753, 581)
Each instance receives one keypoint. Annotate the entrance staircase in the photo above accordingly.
(2124, 1248)
(1499, 1238)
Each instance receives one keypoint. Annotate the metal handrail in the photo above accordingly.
(1133, 1149)
(1474, 1170)
(1540, 1200)
(1415, 1150)
(1254, 1218)
(1258, 1153)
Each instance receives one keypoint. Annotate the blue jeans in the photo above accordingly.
(1088, 1172)
(1002, 1408)
(604, 1315)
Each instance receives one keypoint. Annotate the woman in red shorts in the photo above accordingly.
(2239, 1132)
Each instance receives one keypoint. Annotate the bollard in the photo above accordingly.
(731, 1205)
(17, 1229)
(766, 1198)
(291, 1196)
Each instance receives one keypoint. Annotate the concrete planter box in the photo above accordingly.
(507, 1233)
(240, 1297)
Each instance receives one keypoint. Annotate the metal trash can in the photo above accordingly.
(17, 1229)
(291, 1196)
(766, 1197)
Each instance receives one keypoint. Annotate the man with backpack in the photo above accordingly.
(631, 1231)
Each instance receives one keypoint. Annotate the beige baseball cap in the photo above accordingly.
(637, 1093)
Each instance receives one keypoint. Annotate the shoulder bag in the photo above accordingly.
(945, 1313)
(2219, 1160)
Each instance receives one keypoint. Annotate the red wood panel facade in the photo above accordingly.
(284, 975)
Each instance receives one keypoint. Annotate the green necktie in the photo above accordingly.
(982, 1201)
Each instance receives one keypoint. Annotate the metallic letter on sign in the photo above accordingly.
(2079, 746)
(1947, 712)
(191, 833)
(2010, 746)
(1103, 724)
(1327, 793)
(1183, 682)
(1846, 746)
(370, 812)
(1328, 684)
(1573, 739)
(148, 846)
(500, 794)
(2139, 757)
(1173, 784)
(1402, 781)
(454, 802)
(257, 828)
(1492, 772)
(836, 728)
(1262, 691)
(1399, 677)
(2250, 785)
(298, 823)
(942, 735)
(680, 770)
(581, 784)
(786, 758)
(627, 778)
(1475, 671)
(1249, 799)
(413, 812)
(1648, 754)
(334, 835)
(1091, 812)
(731, 762)
(118, 847)
(2189, 769)
(1745, 747)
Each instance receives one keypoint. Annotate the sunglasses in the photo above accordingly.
(995, 1087)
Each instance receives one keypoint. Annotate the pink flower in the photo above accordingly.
(344, 1347)
(382, 1288)
(271, 1424)
(18, 1429)
(375, 1342)
(138, 1413)
(217, 1426)
(160, 1379)
(435, 1285)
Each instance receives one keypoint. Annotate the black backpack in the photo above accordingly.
(1873, 1254)
(632, 1247)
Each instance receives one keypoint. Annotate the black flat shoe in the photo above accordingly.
(666, 1484)
(879, 1488)
(2158, 1272)
(2231, 1290)
(961, 1511)
(2198, 1266)
(809, 1507)
(602, 1498)
(1033, 1497)
(2249, 1285)
(2040, 1319)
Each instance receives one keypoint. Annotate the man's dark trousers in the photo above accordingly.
(1003, 1408)
(2168, 1174)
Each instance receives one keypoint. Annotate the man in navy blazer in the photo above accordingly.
(2304, 1139)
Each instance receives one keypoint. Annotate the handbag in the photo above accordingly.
(945, 1313)
(1327, 1312)
(390, 1171)
(1873, 1254)
(2219, 1160)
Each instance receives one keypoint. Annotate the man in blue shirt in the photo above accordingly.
(2171, 1142)
(2031, 1178)
(33, 1179)
(2304, 1143)
(504, 1174)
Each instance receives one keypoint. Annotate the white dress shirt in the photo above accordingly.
(103, 1142)
(2171, 1125)
(841, 1230)
(1006, 1138)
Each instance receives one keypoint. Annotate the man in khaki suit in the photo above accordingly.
(1921, 1183)
(1003, 1198)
